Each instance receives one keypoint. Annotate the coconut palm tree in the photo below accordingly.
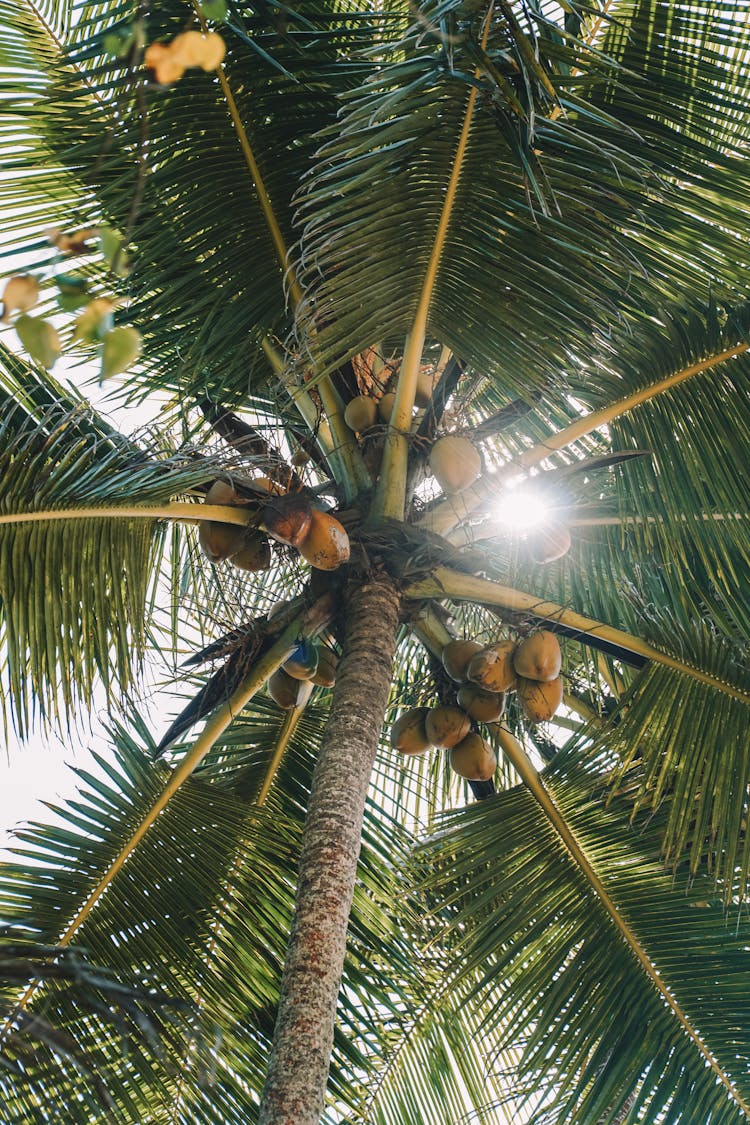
(360, 231)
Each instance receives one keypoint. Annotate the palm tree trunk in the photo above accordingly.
(298, 1067)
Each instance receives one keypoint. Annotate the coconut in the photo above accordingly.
(325, 674)
(159, 59)
(538, 657)
(492, 668)
(549, 543)
(221, 492)
(220, 540)
(426, 381)
(385, 406)
(254, 554)
(303, 662)
(473, 758)
(408, 733)
(287, 519)
(288, 692)
(326, 544)
(539, 701)
(446, 726)
(361, 413)
(457, 656)
(484, 706)
(455, 463)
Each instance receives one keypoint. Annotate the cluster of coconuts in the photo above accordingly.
(311, 663)
(288, 518)
(486, 673)
(454, 461)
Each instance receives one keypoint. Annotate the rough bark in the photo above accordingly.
(297, 1076)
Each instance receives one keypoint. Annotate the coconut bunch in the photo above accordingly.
(312, 663)
(365, 411)
(289, 518)
(486, 674)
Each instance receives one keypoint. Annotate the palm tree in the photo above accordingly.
(540, 210)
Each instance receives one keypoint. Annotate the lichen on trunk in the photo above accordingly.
(294, 1092)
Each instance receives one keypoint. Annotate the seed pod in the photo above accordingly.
(474, 759)
(120, 350)
(325, 674)
(455, 463)
(20, 294)
(287, 519)
(408, 733)
(361, 413)
(549, 543)
(539, 701)
(484, 706)
(445, 726)
(492, 668)
(303, 662)
(288, 692)
(39, 338)
(326, 544)
(538, 657)
(456, 657)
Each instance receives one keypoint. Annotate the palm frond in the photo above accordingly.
(67, 587)
(544, 955)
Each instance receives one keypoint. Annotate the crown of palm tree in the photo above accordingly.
(543, 209)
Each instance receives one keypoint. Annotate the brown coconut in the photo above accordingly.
(302, 664)
(325, 674)
(456, 657)
(538, 657)
(426, 381)
(287, 519)
(361, 413)
(446, 726)
(409, 734)
(539, 701)
(326, 544)
(254, 554)
(455, 463)
(549, 543)
(385, 406)
(484, 706)
(288, 692)
(219, 540)
(492, 668)
(474, 759)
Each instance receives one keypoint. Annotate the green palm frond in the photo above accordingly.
(544, 955)
(219, 944)
(401, 132)
(67, 586)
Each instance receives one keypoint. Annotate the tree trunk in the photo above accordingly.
(295, 1087)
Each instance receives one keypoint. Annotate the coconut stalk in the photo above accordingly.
(294, 1093)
